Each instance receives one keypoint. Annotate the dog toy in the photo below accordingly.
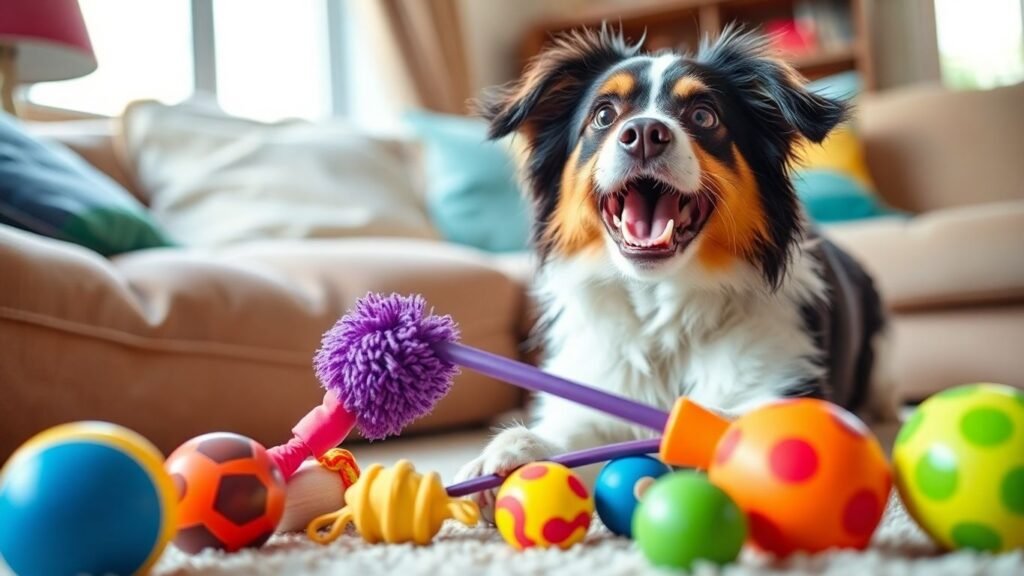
(367, 504)
(380, 372)
(231, 494)
(569, 460)
(394, 505)
(959, 464)
(388, 362)
(683, 518)
(619, 487)
(85, 498)
(390, 342)
(543, 505)
(808, 474)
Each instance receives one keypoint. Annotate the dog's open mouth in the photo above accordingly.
(650, 219)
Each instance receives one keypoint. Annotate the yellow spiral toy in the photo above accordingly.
(394, 505)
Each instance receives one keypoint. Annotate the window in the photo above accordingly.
(981, 44)
(272, 58)
(144, 50)
(263, 59)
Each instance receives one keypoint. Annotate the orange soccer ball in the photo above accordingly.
(808, 474)
(230, 493)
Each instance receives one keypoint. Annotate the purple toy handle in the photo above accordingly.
(571, 460)
(531, 378)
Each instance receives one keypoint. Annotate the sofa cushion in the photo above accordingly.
(931, 148)
(959, 256)
(176, 343)
(212, 179)
(46, 189)
(932, 350)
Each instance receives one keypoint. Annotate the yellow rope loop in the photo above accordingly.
(465, 511)
(337, 521)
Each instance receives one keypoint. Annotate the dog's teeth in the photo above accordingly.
(666, 234)
(686, 214)
(617, 221)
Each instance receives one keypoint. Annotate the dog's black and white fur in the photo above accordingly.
(674, 255)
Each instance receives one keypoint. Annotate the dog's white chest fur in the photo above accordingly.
(722, 339)
(726, 343)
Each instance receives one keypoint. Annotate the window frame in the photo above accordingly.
(204, 56)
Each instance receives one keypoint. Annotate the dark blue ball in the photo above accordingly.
(78, 502)
(615, 492)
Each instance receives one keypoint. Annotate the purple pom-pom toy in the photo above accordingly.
(388, 361)
(381, 361)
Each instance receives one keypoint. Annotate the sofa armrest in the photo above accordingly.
(958, 256)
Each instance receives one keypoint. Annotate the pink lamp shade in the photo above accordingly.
(50, 38)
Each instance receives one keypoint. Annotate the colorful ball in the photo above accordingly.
(960, 467)
(684, 518)
(808, 474)
(543, 505)
(85, 498)
(618, 489)
(230, 494)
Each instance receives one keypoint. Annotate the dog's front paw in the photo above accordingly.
(509, 450)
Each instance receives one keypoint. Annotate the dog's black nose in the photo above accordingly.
(645, 138)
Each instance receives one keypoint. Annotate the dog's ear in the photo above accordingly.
(773, 91)
(554, 82)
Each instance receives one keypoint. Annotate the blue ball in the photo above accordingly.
(615, 492)
(86, 497)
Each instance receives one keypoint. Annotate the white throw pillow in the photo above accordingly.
(213, 179)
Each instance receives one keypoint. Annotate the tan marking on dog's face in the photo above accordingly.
(688, 86)
(576, 225)
(739, 221)
(620, 85)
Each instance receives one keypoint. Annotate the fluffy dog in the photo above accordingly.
(675, 259)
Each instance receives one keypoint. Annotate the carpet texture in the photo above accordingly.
(899, 548)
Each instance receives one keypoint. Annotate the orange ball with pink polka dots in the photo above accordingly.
(808, 474)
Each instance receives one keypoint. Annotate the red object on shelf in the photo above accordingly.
(791, 36)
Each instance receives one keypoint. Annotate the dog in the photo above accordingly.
(674, 255)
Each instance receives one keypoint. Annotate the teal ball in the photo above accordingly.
(618, 489)
(683, 518)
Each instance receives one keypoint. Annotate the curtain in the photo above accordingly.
(427, 36)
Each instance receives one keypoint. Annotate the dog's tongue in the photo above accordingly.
(644, 223)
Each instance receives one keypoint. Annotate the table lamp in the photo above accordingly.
(41, 41)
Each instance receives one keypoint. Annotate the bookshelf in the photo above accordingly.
(818, 37)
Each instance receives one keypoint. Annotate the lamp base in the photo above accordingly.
(8, 77)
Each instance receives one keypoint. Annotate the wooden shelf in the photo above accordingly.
(824, 62)
(681, 23)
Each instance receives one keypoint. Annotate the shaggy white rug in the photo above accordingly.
(899, 548)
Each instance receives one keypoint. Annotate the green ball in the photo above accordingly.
(683, 518)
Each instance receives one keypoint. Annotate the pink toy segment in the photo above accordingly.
(323, 428)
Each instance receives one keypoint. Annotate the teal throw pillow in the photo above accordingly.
(473, 194)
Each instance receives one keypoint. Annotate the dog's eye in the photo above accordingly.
(703, 117)
(604, 116)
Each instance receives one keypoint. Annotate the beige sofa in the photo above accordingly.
(174, 343)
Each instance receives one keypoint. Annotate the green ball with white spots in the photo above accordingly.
(959, 463)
